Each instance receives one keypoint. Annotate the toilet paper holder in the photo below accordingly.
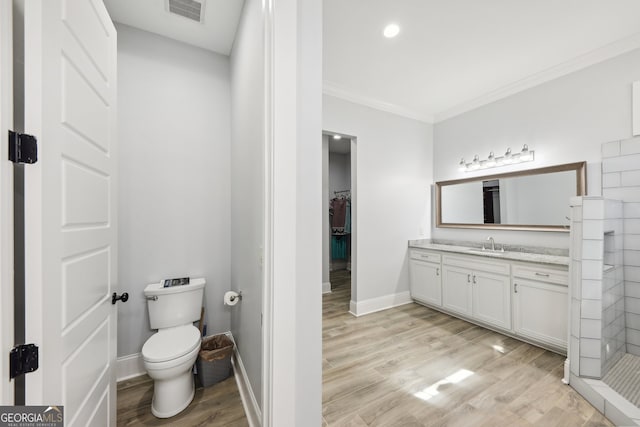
(232, 298)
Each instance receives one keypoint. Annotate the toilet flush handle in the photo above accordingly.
(153, 298)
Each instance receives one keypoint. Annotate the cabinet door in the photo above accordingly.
(425, 282)
(492, 299)
(456, 289)
(540, 311)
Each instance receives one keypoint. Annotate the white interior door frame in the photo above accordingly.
(6, 202)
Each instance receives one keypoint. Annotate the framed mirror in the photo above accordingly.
(534, 199)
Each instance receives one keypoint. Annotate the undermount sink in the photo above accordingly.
(487, 252)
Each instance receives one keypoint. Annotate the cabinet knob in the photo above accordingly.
(474, 279)
(515, 288)
(437, 271)
(468, 278)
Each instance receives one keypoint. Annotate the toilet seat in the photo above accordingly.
(170, 344)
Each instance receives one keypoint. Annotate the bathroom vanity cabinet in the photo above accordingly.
(540, 304)
(526, 300)
(425, 271)
(478, 289)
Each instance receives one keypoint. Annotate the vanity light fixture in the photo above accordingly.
(509, 158)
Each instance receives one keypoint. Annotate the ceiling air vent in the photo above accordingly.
(190, 9)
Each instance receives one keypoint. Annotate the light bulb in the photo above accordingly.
(491, 160)
(391, 30)
(507, 156)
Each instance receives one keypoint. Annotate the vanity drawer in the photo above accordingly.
(424, 256)
(541, 274)
(474, 263)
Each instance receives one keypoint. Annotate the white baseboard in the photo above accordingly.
(129, 367)
(251, 407)
(326, 288)
(360, 308)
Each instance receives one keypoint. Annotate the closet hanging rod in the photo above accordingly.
(342, 191)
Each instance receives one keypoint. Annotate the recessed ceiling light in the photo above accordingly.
(391, 30)
(337, 137)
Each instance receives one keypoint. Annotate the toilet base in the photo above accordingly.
(170, 397)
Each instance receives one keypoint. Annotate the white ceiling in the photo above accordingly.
(454, 55)
(450, 56)
(216, 33)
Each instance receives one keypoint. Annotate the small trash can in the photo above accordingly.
(214, 359)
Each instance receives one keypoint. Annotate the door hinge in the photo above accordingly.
(23, 148)
(23, 359)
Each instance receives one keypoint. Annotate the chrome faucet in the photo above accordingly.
(493, 243)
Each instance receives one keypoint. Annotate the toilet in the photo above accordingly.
(170, 353)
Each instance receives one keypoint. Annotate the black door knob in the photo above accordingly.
(115, 298)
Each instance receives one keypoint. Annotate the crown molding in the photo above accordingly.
(601, 54)
(596, 56)
(336, 91)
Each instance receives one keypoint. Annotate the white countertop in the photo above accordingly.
(514, 256)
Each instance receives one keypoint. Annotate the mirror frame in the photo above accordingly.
(581, 189)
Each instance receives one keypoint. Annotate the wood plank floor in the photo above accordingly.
(407, 366)
(413, 366)
(218, 405)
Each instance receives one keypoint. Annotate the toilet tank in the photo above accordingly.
(175, 305)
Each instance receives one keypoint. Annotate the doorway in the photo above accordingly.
(338, 232)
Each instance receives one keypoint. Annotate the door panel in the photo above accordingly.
(425, 282)
(492, 299)
(6, 203)
(70, 206)
(456, 289)
(548, 325)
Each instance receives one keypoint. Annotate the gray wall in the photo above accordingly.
(247, 189)
(393, 176)
(564, 120)
(173, 194)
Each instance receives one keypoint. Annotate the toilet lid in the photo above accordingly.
(169, 344)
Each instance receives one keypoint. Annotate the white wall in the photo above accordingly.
(394, 169)
(326, 228)
(565, 120)
(295, 183)
(247, 188)
(173, 194)
(308, 267)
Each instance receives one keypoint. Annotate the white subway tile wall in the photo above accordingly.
(611, 149)
(623, 158)
(589, 367)
(575, 269)
(598, 318)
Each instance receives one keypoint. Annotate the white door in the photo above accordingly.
(492, 299)
(6, 204)
(70, 207)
